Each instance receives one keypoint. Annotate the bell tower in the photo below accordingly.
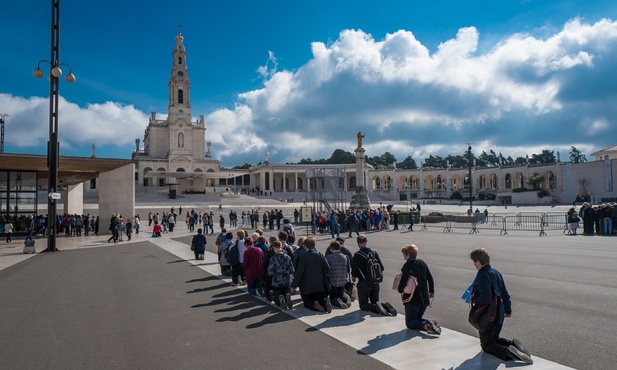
(179, 107)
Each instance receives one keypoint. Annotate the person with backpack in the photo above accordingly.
(235, 257)
(287, 227)
(223, 251)
(416, 304)
(488, 284)
(367, 269)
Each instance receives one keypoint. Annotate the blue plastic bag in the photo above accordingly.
(467, 295)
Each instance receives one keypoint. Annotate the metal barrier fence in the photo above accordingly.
(535, 222)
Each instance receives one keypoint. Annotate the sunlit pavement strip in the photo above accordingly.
(383, 338)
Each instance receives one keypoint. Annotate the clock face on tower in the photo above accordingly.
(180, 73)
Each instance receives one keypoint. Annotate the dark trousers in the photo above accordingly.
(237, 270)
(492, 344)
(256, 287)
(309, 299)
(277, 292)
(353, 228)
(413, 316)
(368, 295)
(338, 292)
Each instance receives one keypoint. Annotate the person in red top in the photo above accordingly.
(253, 268)
(156, 229)
(321, 222)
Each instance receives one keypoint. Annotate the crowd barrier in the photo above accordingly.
(532, 222)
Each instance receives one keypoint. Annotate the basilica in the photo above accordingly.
(176, 158)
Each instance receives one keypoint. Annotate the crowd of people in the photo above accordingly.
(280, 266)
(67, 225)
(596, 219)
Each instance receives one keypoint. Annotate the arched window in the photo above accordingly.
(180, 60)
(180, 140)
(180, 96)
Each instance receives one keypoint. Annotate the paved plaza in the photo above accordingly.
(148, 304)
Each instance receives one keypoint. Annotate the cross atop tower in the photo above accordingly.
(179, 28)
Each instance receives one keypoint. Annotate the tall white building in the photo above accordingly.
(174, 144)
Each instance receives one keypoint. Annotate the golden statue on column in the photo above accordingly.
(359, 136)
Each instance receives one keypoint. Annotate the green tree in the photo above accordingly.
(535, 181)
(434, 162)
(576, 156)
(387, 158)
(547, 156)
(489, 159)
(456, 161)
(520, 160)
(339, 156)
(407, 164)
(244, 166)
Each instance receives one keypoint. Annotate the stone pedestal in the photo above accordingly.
(29, 246)
(360, 199)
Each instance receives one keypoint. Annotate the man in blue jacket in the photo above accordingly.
(488, 282)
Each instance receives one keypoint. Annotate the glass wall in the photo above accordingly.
(17, 194)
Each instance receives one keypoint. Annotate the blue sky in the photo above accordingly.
(300, 80)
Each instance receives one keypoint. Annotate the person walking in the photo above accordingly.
(424, 292)
(8, 230)
(198, 244)
(368, 287)
(488, 283)
(129, 229)
(113, 222)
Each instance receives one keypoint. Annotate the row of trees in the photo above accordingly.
(386, 160)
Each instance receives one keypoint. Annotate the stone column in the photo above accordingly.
(117, 192)
(360, 176)
(74, 199)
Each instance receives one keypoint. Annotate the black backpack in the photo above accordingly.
(233, 254)
(374, 274)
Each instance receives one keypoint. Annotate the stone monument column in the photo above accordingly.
(360, 199)
(360, 175)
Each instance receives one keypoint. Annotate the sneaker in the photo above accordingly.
(517, 343)
(328, 305)
(391, 310)
(519, 355)
(318, 307)
(354, 295)
(433, 327)
(341, 303)
(288, 301)
(282, 302)
(381, 310)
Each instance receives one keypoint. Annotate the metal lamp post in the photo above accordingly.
(52, 146)
(470, 160)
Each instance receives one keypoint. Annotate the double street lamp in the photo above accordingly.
(52, 146)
